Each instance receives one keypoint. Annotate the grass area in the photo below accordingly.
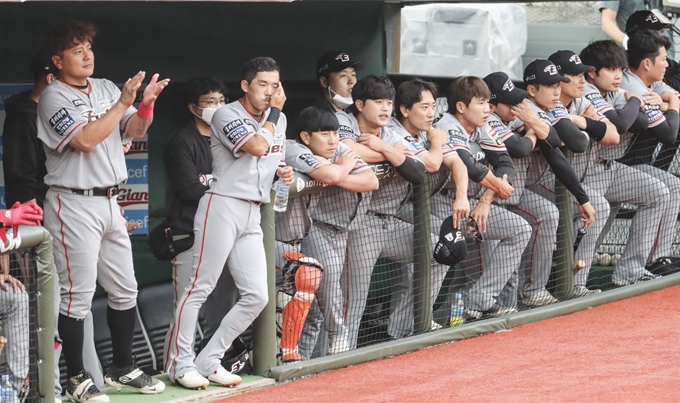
(179, 394)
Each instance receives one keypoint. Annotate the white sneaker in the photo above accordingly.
(541, 298)
(435, 326)
(193, 380)
(338, 345)
(223, 377)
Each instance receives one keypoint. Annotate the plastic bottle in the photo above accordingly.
(7, 392)
(281, 196)
(457, 310)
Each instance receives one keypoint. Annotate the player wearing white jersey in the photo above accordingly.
(247, 144)
(316, 152)
(466, 121)
(84, 123)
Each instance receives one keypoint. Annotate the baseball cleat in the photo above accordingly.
(338, 345)
(540, 298)
(223, 377)
(582, 291)
(135, 378)
(646, 276)
(193, 380)
(435, 326)
(81, 389)
(662, 266)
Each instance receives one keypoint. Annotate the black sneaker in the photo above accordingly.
(134, 378)
(663, 266)
(80, 388)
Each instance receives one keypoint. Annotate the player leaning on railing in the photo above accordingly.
(318, 153)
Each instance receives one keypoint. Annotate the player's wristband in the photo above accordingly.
(274, 114)
(266, 135)
(596, 129)
(145, 112)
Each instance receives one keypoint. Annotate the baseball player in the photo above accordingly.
(543, 82)
(84, 123)
(647, 62)
(466, 121)
(316, 152)
(645, 19)
(336, 74)
(415, 106)
(616, 13)
(522, 131)
(247, 141)
(188, 164)
(24, 170)
(380, 232)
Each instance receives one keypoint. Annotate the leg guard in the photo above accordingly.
(302, 276)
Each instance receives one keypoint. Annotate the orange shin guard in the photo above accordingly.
(294, 316)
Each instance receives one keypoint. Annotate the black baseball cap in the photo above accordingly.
(451, 247)
(568, 62)
(41, 63)
(542, 71)
(503, 90)
(335, 61)
(645, 19)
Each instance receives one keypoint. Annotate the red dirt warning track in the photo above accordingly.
(627, 351)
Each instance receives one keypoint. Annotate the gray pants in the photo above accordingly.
(328, 246)
(219, 302)
(619, 183)
(14, 327)
(498, 260)
(543, 216)
(669, 218)
(589, 242)
(227, 230)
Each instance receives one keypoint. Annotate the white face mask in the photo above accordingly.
(340, 101)
(208, 113)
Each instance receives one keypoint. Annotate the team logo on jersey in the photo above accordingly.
(552, 70)
(235, 131)
(383, 170)
(309, 159)
(61, 122)
(90, 116)
(78, 102)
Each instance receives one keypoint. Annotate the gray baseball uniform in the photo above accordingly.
(293, 226)
(90, 240)
(401, 320)
(580, 163)
(378, 233)
(539, 212)
(227, 228)
(511, 230)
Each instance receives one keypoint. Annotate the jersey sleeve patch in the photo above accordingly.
(310, 160)
(654, 115)
(346, 133)
(599, 103)
(501, 130)
(235, 131)
(458, 140)
(61, 122)
(558, 114)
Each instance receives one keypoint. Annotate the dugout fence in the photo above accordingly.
(27, 318)
(431, 296)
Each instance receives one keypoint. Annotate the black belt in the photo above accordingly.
(379, 215)
(108, 192)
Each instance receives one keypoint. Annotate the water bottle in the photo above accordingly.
(457, 310)
(7, 392)
(281, 196)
